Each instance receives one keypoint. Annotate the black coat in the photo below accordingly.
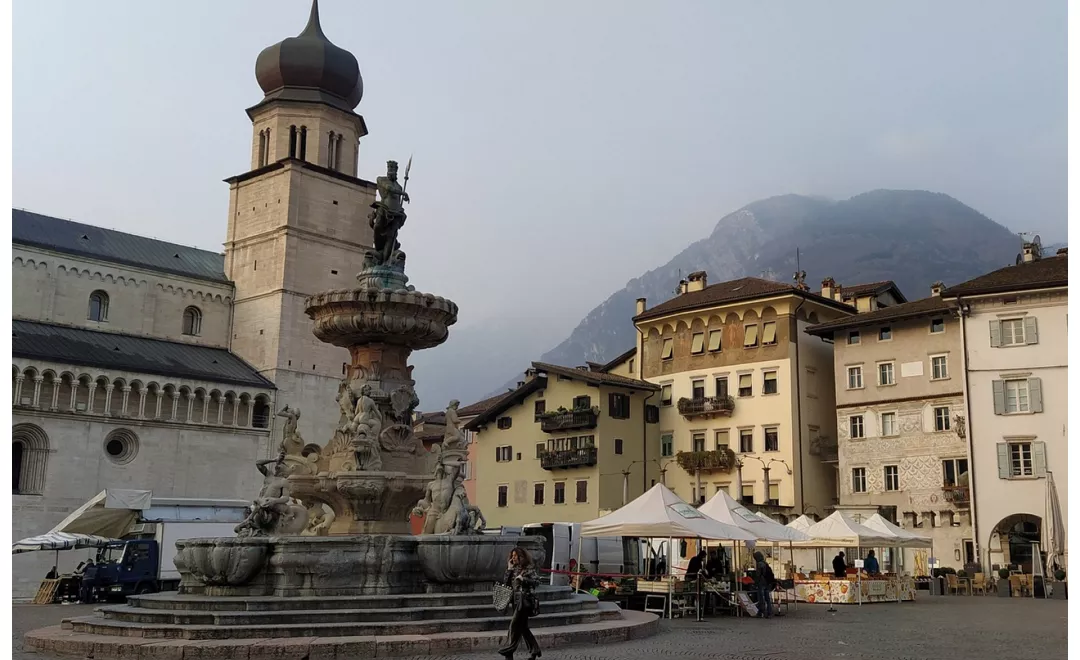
(839, 566)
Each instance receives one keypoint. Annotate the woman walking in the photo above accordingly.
(522, 577)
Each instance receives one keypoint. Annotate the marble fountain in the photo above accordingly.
(325, 565)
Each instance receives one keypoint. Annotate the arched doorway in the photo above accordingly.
(29, 453)
(1016, 534)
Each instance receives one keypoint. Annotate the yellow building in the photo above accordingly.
(567, 445)
(747, 402)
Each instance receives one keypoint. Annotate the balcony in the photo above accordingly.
(957, 495)
(707, 406)
(720, 460)
(568, 458)
(826, 449)
(568, 420)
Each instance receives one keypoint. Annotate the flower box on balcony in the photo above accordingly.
(709, 405)
(719, 460)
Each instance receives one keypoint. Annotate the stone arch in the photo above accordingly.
(230, 413)
(732, 318)
(82, 392)
(102, 393)
(192, 322)
(198, 408)
(98, 305)
(1014, 535)
(812, 318)
(260, 414)
(49, 399)
(214, 404)
(244, 409)
(30, 454)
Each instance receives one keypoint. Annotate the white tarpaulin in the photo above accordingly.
(724, 508)
(660, 513)
(903, 537)
(59, 541)
(802, 523)
(841, 531)
(110, 513)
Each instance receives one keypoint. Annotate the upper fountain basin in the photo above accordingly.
(353, 317)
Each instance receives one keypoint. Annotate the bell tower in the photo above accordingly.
(298, 219)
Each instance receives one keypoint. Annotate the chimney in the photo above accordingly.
(696, 281)
(827, 286)
(936, 288)
(521, 383)
(640, 307)
(682, 287)
(1031, 252)
(838, 293)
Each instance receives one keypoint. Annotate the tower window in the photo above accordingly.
(331, 143)
(337, 153)
(99, 306)
(303, 143)
(262, 148)
(192, 321)
(292, 142)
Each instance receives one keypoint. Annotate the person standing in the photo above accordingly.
(870, 564)
(764, 580)
(523, 578)
(839, 566)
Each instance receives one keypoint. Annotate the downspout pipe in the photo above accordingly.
(798, 409)
(962, 312)
(644, 415)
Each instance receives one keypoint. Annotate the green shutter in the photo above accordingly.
(1031, 330)
(1035, 394)
(999, 397)
(995, 333)
(1038, 458)
(1003, 460)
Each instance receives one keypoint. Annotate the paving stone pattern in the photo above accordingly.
(952, 628)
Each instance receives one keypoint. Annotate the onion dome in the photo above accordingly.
(309, 68)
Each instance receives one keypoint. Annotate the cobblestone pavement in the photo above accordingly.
(956, 628)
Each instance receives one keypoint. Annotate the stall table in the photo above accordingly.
(884, 589)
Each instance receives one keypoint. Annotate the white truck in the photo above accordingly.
(599, 554)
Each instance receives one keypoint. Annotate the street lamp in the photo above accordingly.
(766, 467)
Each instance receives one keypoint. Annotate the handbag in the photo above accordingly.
(501, 595)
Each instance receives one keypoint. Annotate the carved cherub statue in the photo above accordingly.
(453, 437)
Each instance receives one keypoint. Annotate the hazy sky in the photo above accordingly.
(561, 147)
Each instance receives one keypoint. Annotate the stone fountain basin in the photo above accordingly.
(357, 317)
(479, 559)
(226, 562)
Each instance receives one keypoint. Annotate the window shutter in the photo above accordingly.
(1035, 394)
(1003, 460)
(1031, 330)
(612, 408)
(999, 397)
(1038, 458)
(995, 333)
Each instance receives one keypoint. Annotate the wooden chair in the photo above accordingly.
(953, 584)
(978, 583)
(1016, 585)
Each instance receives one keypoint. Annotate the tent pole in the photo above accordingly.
(671, 572)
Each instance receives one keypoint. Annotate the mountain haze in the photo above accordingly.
(912, 237)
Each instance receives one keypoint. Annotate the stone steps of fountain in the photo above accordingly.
(131, 614)
(98, 625)
(174, 601)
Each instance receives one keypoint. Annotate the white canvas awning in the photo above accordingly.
(841, 531)
(724, 508)
(903, 537)
(802, 523)
(59, 541)
(110, 513)
(660, 513)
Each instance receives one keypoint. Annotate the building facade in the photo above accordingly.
(567, 445)
(144, 364)
(902, 450)
(746, 402)
(1015, 347)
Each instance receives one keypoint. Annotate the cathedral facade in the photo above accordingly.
(144, 364)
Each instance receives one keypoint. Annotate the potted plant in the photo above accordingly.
(1003, 583)
(1060, 592)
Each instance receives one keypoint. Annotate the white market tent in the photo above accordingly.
(841, 531)
(723, 508)
(802, 523)
(903, 538)
(106, 517)
(660, 513)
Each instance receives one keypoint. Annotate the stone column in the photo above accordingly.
(159, 397)
(142, 402)
(38, 380)
(108, 398)
(220, 410)
(55, 405)
(190, 396)
(74, 394)
(236, 412)
(90, 399)
(18, 389)
(126, 392)
(175, 396)
(251, 413)
(205, 406)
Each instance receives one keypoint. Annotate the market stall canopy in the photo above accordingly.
(903, 537)
(802, 523)
(110, 513)
(841, 531)
(723, 508)
(660, 513)
(59, 541)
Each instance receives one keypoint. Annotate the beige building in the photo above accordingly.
(746, 400)
(144, 364)
(899, 420)
(567, 445)
(1015, 348)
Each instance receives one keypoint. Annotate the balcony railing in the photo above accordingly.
(566, 421)
(958, 495)
(568, 458)
(709, 405)
(720, 460)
